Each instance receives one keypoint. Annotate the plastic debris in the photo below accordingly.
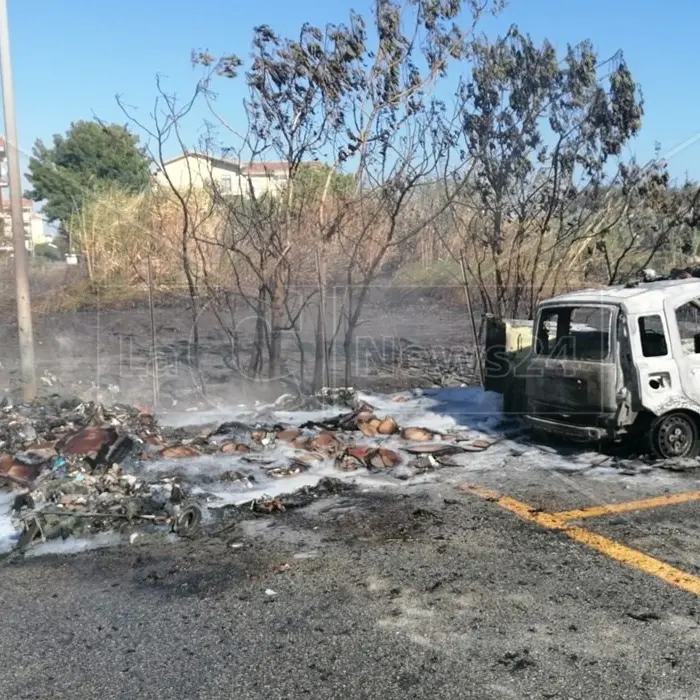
(77, 469)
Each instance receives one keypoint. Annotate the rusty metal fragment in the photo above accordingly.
(433, 448)
(179, 452)
(389, 458)
(369, 428)
(417, 434)
(288, 434)
(388, 426)
(324, 440)
(234, 448)
(356, 456)
(11, 469)
(90, 442)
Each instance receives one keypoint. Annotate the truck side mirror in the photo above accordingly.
(696, 343)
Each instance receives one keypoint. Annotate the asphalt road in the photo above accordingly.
(431, 593)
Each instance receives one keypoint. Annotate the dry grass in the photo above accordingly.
(118, 233)
(85, 295)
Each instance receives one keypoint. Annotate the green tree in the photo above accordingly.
(89, 157)
(50, 251)
(312, 181)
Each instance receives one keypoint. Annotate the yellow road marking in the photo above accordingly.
(610, 548)
(636, 559)
(628, 506)
(523, 510)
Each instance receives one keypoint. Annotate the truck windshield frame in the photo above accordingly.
(575, 332)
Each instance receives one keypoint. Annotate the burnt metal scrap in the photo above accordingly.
(69, 466)
(77, 469)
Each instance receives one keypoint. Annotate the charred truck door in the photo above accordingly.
(657, 376)
(628, 403)
(573, 375)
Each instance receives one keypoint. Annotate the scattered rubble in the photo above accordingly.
(343, 396)
(77, 468)
(302, 497)
(67, 464)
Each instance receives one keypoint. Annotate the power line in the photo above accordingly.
(681, 146)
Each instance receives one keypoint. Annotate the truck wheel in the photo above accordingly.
(674, 435)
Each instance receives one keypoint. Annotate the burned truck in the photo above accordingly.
(610, 364)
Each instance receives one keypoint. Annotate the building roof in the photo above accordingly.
(265, 168)
(635, 299)
(26, 203)
(204, 156)
(252, 169)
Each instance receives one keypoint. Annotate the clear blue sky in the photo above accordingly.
(72, 56)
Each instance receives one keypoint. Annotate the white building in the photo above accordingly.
(228, 176)
(33, 222)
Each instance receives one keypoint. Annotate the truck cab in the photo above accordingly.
(608, 364)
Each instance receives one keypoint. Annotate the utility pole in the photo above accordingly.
(24, 304)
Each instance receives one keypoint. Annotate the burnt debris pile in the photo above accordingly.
(74, 469)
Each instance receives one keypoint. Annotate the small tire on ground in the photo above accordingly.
(188, 520)
(674, 435)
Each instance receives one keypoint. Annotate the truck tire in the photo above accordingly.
(674, 436)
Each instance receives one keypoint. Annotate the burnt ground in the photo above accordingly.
(107, 354)
(422, 595)
(420, 592)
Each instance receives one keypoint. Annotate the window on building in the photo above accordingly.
(652, 335)
(688, 320)
(574, 332)
(225, 186)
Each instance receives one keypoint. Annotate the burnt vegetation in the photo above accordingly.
(404, 142)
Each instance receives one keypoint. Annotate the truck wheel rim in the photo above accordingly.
(676, 436)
